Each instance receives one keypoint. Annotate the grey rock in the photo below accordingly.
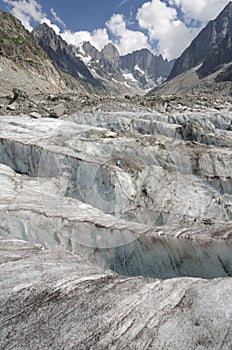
(140, 69)
(35, 115)
(94, 77)
(11, 107)
(91, 50)
(218, 57)
(58, 110)
(204, 68)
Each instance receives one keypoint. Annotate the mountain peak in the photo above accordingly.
(87, 49)
(228, 7)
(146, 67)
(209, 38)
(111, 54)
(110, 49)
(62, 54)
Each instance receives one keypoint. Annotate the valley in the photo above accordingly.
(116, 193)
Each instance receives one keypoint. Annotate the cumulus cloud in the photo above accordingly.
(98, 38)
(201, 10)
(163, 26)
(126, 40)
(26, 11)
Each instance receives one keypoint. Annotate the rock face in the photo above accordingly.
(62, 54)
(140, 69)
(21, 57)
(96, 71)
(111, 54)
(105, 64)
(110, 62)
(219, 56)
(146, 68)
(205, 66)
(204, 45)
(90, 50)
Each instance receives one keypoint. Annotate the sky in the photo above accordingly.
(165, 27)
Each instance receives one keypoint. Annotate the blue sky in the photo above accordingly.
(166, 27)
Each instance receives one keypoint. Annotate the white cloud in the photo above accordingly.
(57, 18)
(98, 38)
(162, 23)
(26, 11)
(201, 10)
(123, 2)
(126, 40)
(30, 10)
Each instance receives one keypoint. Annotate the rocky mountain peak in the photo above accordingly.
(63, 55)
(146, 67)
(42, 29)
(45, 35)
(111, 54)
(90, 50)
(140, 70)
(207, 40)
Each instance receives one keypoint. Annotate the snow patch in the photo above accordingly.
(136, 67)
(129, 76)
(85, 59)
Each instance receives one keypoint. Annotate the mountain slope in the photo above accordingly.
(104, 70)
(206, 66)
(97, 74)
(205, 43)
(21, 57)
(139, 69)
(218, 57)
(63, 55)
